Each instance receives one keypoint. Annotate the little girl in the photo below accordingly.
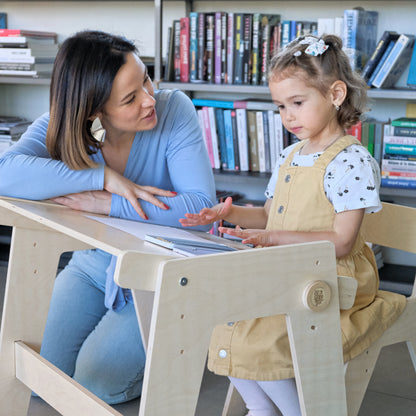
(320, 189)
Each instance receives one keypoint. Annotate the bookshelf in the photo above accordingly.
(384, 103)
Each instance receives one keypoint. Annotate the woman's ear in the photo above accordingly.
(338, 92)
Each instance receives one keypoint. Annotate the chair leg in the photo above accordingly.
(234, 404)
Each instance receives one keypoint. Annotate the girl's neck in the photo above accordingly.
(314, 146)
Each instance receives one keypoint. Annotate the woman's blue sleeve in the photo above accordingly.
(27, 170)
(188, 167)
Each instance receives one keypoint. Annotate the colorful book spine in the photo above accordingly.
(200, 102)
(398, 174)
(411, 141)
(266, 133)
(398, 165)
(223, 48)
(380, 64)
(400, 149)
(235, 140)
(193, 46)
(398, 183)
(411, 77)
(285, 33)
(382, 44)
(184, 49)
(404, 122)
(228, 127)
(208, 139)
(219, 118)
(230, 49)
(243, 151)
(217, 47)
(260, 141)
(404, 131)
(395, 63)
(201, 68)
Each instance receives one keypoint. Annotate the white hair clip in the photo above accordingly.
(316, 46)
(297, 53)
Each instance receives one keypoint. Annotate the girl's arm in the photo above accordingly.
(346, 227)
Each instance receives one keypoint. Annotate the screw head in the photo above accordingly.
(183, 281)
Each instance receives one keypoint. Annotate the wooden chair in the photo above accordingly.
(186, 298)
(394, 226)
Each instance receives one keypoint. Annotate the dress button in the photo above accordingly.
(287, 178)
(280, 210)
(222, 353)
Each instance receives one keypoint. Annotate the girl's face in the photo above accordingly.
(304, 110)
(131, 106)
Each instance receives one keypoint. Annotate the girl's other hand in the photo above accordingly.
(208, 215)
(118, 184)
(252, 236)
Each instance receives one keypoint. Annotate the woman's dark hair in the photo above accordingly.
(82, 78)
(321, 71)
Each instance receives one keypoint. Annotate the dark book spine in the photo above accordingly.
(235, 140)
(405, 131)
(239, 48)
(210, 35)
(247, 38)
(255, 50)
(184, 49)
(177, 50)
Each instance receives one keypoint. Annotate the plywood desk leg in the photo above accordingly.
(33, 263)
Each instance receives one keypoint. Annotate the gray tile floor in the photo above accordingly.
(392, 389)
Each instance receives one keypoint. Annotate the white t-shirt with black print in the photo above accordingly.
(351, 181)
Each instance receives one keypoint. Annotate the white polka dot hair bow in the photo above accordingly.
(316, 46)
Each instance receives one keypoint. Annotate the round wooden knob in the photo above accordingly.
(317, 295)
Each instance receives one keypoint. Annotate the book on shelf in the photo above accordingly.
(228, 128)
(229, 79)
(168, 70)
(355, 130)
(411, 110)
(177, 50)
(411, 77)
(400, 149)
(214, 136)
(188, 247)
(381, 62)
(330, 26)
(247, 42)
(405, 183)
(260, 141)
(218, 47)
(243, 150)
(13, 125)
(369, 67)
(202, 62)
(235, 140)
(255, 47)
(184, 49)
(391, 165)
(359, 35)
(404, 122)
(396, 62)
(252, 140)
(3, 20)
(246, 104)
(238, 47)
(206, 129)
(28, 33)
(210, 40)
(266, 134)
(219, 118)
(193, 46)
(25, 66)
(403, 131)
(267, 23)
(398, 174)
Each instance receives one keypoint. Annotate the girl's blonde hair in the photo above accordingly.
(321, 71)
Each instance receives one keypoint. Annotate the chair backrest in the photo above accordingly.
(394, 226)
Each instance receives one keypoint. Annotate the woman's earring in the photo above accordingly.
(337, 107)
(97, 130)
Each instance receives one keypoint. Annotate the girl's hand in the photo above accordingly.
(251, 236)
(118, 184)
(98, 202)
(208, 215)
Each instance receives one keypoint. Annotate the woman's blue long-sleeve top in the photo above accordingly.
(171, 156)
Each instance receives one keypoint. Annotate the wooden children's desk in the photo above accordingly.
(178, 300)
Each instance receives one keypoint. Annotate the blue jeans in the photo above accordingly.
(101, 349)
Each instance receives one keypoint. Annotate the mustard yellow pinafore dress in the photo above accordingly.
(258, 349)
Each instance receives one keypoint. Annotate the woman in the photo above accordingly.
(149, 164)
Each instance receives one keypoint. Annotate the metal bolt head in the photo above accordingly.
(183, 281)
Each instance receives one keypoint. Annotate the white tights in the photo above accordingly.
(261, 396)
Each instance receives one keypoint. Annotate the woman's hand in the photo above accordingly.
(208, 215)
(115, 183)
(98, 202)
(251, 236)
